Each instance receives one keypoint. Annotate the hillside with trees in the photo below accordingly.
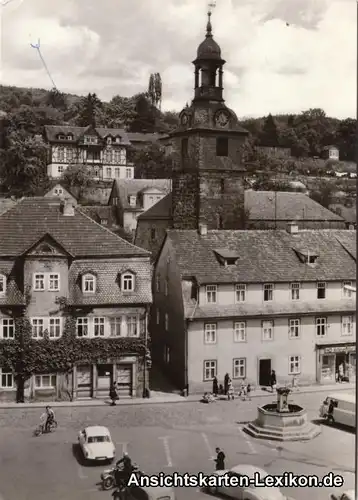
(24, 112)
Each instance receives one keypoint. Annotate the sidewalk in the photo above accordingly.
(167, 398)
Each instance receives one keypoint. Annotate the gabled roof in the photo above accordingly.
(99, 212)
(261, 206)
(6, 203)
(52, 131)
(133, 187)
(289, 206)
(144, 138)
(161, 210)
(349, 214)
(65, 192)
(31, 218)
(265, 256)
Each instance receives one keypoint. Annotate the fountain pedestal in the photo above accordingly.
(282, 421)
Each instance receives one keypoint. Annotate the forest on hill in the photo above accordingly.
(25, 111)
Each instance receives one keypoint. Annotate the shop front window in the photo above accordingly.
(328, 368)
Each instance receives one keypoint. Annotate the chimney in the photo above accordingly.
(203, 229)
(292, 227)
(67, 208)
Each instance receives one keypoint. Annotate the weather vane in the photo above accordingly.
(211, 5)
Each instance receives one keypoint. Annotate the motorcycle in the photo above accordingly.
(108, 478)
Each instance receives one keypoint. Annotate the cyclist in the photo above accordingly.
(50, 418)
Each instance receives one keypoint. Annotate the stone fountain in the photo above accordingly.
(282, 421)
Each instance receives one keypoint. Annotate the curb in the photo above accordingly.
(154, 401)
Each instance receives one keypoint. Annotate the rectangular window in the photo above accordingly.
(295, 291)
(222, 146)
(166, 322)
(132, 326)
(115, 326)
(152, 233)
(239, 368)
(89, 283)
(98, 327)
(8, 328)
(60, 169)
(37, 328)
(39, 282)
(345, 291)
(7, 380)
(211, 291)
(117, 173)
(54, 328)
(267, 330)
(184, 147)
(347, 325)
(45, 381)
(108, 172)
(209, 369)
(54, 282)
(294, 328)
(2, 284)
(294, 365)
(240, 293)
(240, 331)
(268, 292)
(321, 290)
(210, 333)
(82, 327)
(128, 282)
(321, 327)
(158, 316)
(129, 173)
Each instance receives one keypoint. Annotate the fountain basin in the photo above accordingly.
(282, 421)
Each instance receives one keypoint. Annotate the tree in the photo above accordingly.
(145, 115)
(89, 108)
(151, 162)
(23, 170)
(346, 139)
(77, 178)
(323, 194)
(155, 90)
(56, 99)
(269, 134)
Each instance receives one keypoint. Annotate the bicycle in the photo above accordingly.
(42, 429)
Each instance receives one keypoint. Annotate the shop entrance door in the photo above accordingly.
(341, 368)
(264, 372)
(104, 379)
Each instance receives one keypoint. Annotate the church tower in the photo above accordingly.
(208, 184)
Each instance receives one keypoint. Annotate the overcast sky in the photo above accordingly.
(111, 46)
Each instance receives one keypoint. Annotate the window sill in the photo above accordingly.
(8, 389)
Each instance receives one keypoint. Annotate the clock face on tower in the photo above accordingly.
(201, 116)
(222, 118)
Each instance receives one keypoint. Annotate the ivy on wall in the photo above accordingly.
(25, 355)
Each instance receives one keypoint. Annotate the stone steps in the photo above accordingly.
(304, 433)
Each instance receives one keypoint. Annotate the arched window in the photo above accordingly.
(88, 283)
(127, 282)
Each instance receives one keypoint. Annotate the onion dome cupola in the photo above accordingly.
(208, 68)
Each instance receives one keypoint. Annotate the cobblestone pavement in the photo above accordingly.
(178, 437)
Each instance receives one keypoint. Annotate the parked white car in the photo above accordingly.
(96, 443)
(247, 493)
(347, 495)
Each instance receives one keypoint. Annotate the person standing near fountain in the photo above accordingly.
(226, 383)
(220, 459)
(273, 380)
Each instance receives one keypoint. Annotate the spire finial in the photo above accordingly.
(209, 28)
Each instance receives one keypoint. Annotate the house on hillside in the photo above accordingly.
(330, 153)
(96, 194)
(248, 302)
(102, 150)
(134, 197)
(59, 190)
(264, 210)
(140, 140)
(77, 297)
(275, 152)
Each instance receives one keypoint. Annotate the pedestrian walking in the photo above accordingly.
(248, 392)
(220, 459)
(273, 380)
(226, 383)
(113, 393)
(215, 386)
(230, 391)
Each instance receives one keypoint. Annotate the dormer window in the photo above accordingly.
(307, 256)
(88, 283)
(226, 257)
(69, 137)
(104, 222)
(2, 284)
(90, 139)
(118, 140)
(132, 201)
(61, 137)
(109, 140)
(127, 282)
